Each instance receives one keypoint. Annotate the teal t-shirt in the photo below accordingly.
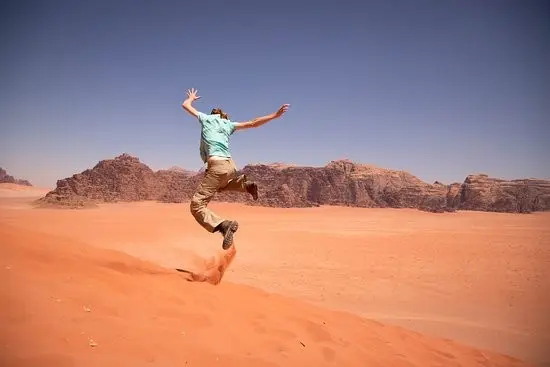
(215, 132)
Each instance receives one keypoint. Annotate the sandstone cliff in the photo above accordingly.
(5, 178)
(480, 192)
(341, 182)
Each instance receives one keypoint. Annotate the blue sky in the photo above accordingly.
(441, 89)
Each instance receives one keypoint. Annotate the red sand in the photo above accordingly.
(69, 299)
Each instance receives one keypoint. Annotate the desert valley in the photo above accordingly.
(343, 265)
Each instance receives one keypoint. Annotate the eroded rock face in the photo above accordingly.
(5, 178)
(175, 186)
(341, 182)
(480, 192)
(123, 178)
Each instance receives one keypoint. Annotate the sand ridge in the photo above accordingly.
(85, 306)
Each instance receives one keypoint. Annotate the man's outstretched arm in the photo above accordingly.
(187, 104)
(259, 121)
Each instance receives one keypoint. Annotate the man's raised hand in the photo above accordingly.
(282, 110)
(192, 94)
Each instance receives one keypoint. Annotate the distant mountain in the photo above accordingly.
(181, 170)
(5, 178)
(340, 182)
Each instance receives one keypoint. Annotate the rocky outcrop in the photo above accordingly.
(5, 178)
(480, 192)
(175, 186)
(340, 182)
(180, 170)
(124, 178)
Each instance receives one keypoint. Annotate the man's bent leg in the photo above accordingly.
(216, 176)
(205, 192)
(240, 183)
(237, 183)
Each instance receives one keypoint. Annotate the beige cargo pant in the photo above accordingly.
(221, 175)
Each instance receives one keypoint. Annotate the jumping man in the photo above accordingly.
(221, 172)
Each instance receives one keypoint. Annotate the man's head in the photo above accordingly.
(219, 111)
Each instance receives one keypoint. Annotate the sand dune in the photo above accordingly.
(15, 190)
(70, 304)
(480, 279)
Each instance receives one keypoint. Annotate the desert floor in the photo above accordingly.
(327, 286)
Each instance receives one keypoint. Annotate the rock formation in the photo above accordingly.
(480, 192)
(124, 178)
(5, 178)
(340, 182)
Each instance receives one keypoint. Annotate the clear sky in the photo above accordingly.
(438, 88)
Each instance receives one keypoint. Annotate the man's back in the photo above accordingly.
(215, 132)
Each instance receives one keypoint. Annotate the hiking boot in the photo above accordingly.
(227, 229)
(252, 189)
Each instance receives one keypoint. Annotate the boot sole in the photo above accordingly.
(228, 238)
